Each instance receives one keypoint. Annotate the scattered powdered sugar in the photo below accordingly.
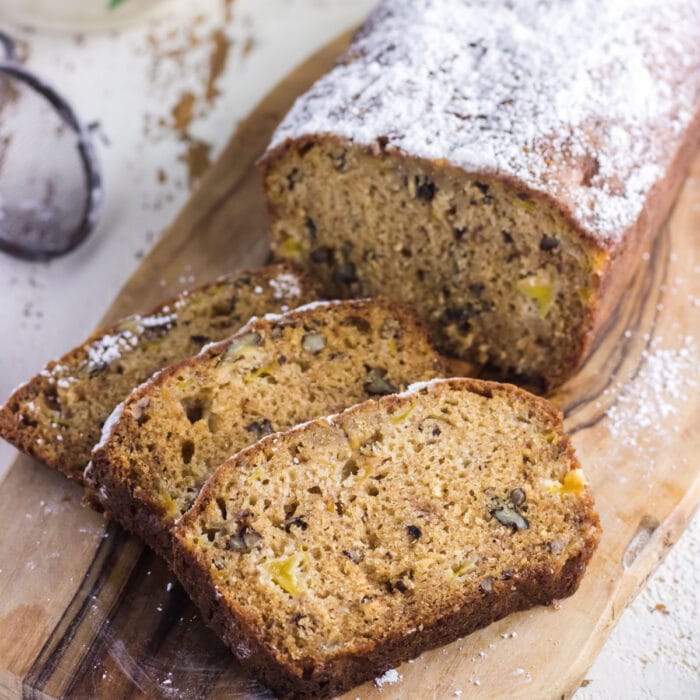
(665, 380)
(240, 332)
(108, 348)
(312, 305)
(111, 346)
(285, 285)
(156, 320)
(111, 421)
(585, 100)
(417, 387)
(208, 346)
(389, 678)
(527, 677)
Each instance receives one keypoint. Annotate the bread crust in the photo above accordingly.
(622, 261)
(532, 586)
(132, 506)
(535, 587)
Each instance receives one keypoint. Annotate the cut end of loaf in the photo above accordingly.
(329, 553)
(503, 277)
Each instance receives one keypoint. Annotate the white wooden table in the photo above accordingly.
(167, 93)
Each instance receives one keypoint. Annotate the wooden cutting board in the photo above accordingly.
(86, 611)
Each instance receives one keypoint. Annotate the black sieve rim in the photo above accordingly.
(86, 151)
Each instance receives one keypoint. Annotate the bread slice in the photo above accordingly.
(57, 416)
(327, 554)
(171, 434)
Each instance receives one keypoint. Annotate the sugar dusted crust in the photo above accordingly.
(585, 102)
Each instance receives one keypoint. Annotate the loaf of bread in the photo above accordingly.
(327, 554)
(57, 416)
(167, 438)
(500, 165)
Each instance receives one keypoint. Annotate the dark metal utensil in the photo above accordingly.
(50, 184)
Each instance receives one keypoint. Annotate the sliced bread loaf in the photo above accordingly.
(171, 434)
(496, 164)
(57, 416)
(327, 554)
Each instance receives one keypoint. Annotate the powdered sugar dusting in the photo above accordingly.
(417, 387)
(157, 320)
(112, 346)
(285, 285)
(646, 406)
(315, 305)
(584, 100)
(389, 678)
(274, 318)
(108, 426)
(109, 348)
